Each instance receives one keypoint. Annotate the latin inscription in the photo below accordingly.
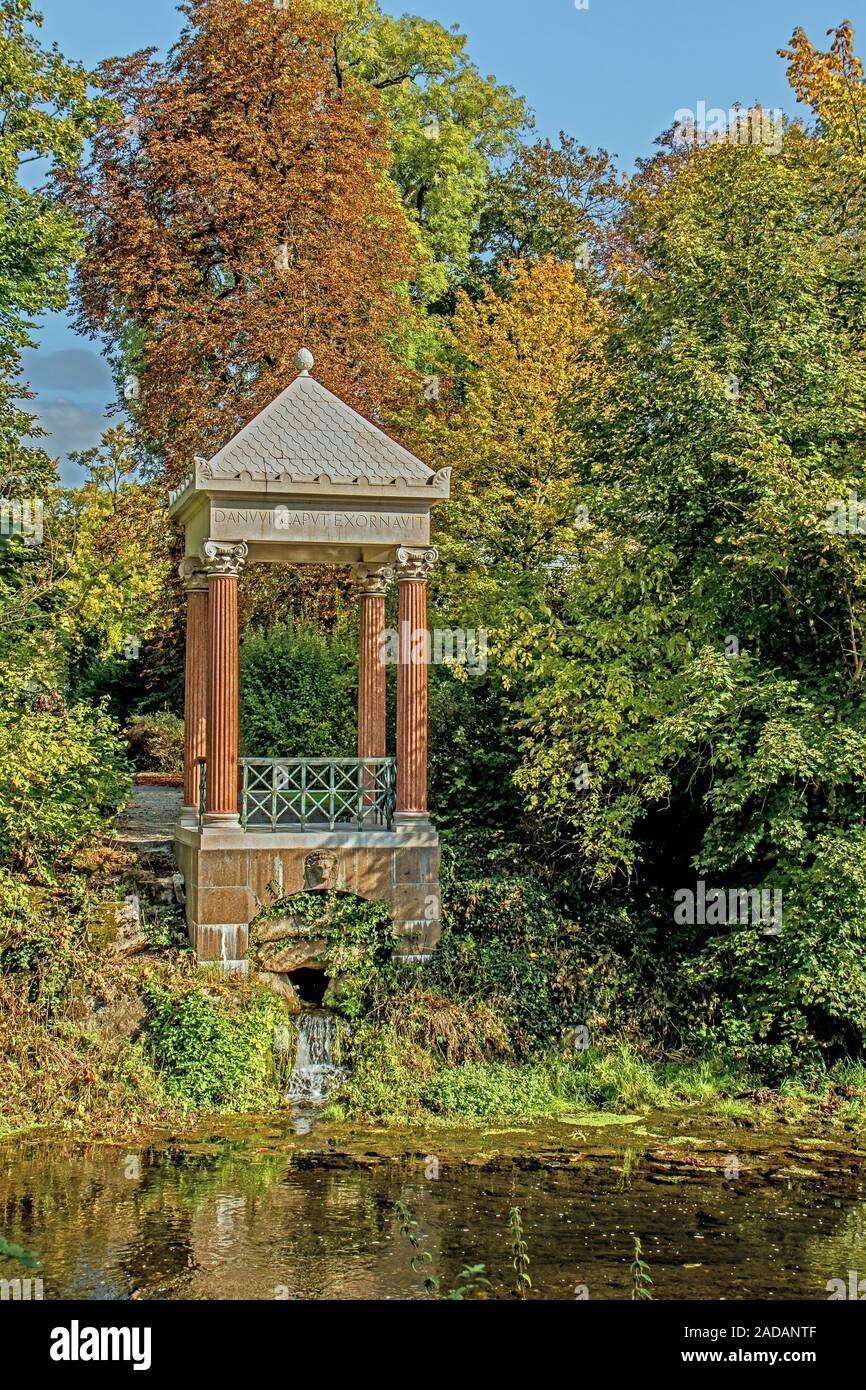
(287, 524)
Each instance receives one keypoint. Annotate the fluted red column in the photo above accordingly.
(223, 564)
(372, 585)
(195, 683)
(413, 568)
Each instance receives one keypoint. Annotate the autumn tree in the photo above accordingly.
(109, 598)
(527, 380)
(832, 84)
(513, 435)
(239, 208)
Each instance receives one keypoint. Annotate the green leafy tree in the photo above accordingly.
(449, 124)
(551, 200)
(706, 664)
(63, 773)
(112, 598)
(738, 419)
(45, 117)
(298, 694)
(685, 666)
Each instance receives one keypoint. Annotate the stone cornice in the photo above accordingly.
(279, 476)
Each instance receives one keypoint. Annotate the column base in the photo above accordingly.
(189, 817)
(405, 822)
(221, 820)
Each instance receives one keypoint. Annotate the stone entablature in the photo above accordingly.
(283, 523)
(434, 488)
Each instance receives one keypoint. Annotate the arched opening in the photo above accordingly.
(296, 945)
(310, 986)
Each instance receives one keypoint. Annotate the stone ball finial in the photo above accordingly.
(304, 361)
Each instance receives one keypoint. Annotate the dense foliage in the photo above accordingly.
(46, 116)
(213, 1054)
(155, 742)
(238, 207)
(299, 694)
(652, 393)
(357, 944)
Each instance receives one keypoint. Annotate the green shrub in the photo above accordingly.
(473, 754)
(39, 938)
(387, 1074)
(793, 1003)
(502, 941)
(63, 774)
(477, 1090)
(155, 742)
(213, 1053)
(298, 694)
(474, 853)
(617, 977)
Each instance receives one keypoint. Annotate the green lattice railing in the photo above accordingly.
(313, 793)
(318, 793)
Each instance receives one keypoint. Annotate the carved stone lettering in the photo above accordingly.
(290, 524)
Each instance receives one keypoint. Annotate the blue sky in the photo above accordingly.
(613, 75)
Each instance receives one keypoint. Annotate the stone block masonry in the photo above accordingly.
(230, 877)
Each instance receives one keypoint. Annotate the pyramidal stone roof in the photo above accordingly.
(308, 436)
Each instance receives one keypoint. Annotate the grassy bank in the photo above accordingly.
(112, 1030)
(393, 1081)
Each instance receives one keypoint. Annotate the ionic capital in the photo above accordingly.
(192, 575)
(414, 565)
(372, 581)
(224, 558)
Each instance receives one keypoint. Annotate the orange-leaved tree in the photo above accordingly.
(241, 208)
(832, 84)
(530, 369)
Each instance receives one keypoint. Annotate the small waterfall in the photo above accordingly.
(315, 1074)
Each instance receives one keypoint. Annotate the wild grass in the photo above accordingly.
(397, 1079)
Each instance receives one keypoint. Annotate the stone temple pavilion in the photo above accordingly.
(307, 481)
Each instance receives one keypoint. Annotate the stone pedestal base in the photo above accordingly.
(232, 874)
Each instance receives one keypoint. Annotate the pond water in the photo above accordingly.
(255, 1210)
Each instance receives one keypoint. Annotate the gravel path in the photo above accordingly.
(149, 821)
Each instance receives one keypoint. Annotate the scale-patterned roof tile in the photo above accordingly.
(307, 433)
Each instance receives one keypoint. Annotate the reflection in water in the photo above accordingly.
(239, 1221)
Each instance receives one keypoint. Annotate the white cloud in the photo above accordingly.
(68, 427)
(70, 370)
